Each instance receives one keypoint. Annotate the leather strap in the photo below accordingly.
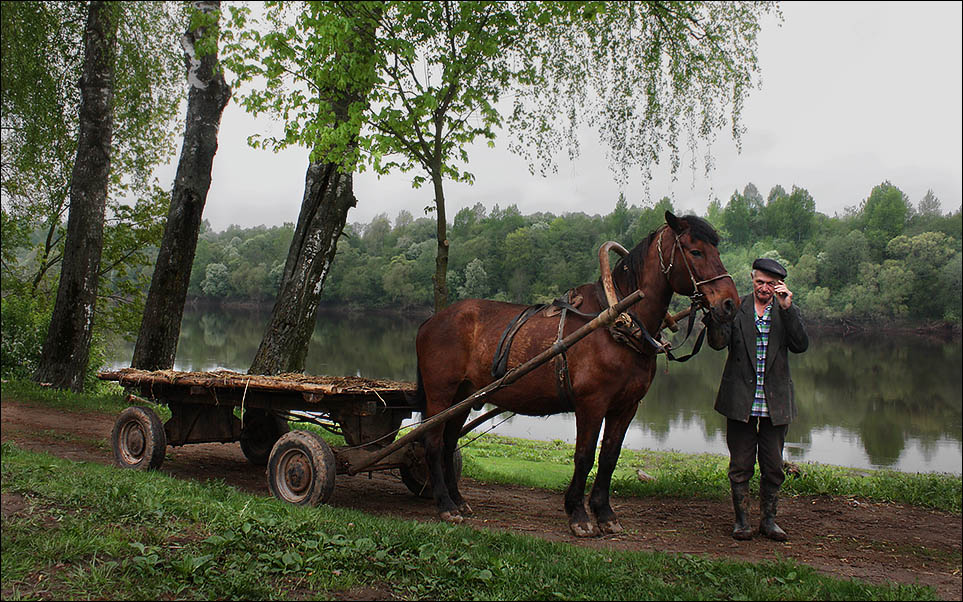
(563, 382)
(500, 361)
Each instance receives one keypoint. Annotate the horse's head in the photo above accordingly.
(689, 258)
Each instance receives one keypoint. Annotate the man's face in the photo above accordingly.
(763, 285)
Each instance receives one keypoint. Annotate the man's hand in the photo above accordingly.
(783, 294)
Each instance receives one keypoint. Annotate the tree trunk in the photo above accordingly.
(328, 195)
(440, 279)
(209, 94)
(66, 349)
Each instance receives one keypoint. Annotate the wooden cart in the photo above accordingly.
(255, 411)
(301, 465)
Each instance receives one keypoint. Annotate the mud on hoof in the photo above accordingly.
(465, 510)
(583, 529)
(452, 517)
(610, 527)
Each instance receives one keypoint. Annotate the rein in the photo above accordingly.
(627, 335)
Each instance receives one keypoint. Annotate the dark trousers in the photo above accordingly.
(749, 440)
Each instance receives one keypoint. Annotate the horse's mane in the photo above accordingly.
(635, 260)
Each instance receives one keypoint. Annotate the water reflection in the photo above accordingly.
(865, 401)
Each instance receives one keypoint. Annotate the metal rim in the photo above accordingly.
(295, 475)
(132, 441)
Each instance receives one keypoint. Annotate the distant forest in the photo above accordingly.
(884, 259)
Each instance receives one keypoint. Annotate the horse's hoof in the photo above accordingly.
(452, 517)
(610, 527)
(583, 529)
(465, 510)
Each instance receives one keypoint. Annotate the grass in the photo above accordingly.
(549, 465)
(92, 531)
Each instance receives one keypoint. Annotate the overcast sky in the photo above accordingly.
(852, 94)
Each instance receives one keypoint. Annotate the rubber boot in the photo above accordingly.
(768, 526)
(741, 530)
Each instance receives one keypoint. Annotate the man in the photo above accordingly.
(756, 395)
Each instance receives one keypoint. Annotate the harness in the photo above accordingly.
(560, 307)
(696, 296)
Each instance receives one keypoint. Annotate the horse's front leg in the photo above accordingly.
(588, 435)
(616, 424)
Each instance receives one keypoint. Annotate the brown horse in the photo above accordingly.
(608, 379)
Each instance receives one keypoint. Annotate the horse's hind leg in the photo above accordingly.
(587, 426)
(452, 430)
(615, 427)
(435, 454)
(440, 443)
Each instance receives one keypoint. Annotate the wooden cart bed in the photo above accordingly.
(286, 391)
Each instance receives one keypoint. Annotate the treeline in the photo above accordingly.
(884, 259)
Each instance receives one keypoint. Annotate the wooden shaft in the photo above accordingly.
(603, 319)
(670, 321)
(480, 420)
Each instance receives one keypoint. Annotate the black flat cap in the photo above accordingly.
(769, 265)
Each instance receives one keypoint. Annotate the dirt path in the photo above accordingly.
(838, 536)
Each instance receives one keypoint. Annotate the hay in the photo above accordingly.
(306, 383)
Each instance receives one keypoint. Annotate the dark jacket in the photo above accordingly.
(738, 386)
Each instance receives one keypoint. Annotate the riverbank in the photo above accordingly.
(944, 331)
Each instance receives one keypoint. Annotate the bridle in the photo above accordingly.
(698, 298)
(628, 328)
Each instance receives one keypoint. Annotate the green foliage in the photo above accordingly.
(884, 213)
(24, 326)
(651, 78)
(476, 280)
(501, 254)
(409, 86)
(791, 216)
(42, 45)
(309, 65)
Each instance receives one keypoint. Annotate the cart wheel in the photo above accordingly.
(138, 439)
(261, 431)
(416, 479)
(301, 469)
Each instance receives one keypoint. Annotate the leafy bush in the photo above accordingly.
(24, 326)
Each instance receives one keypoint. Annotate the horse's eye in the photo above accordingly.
(696, 253)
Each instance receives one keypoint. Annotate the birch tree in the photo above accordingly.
(66, 348)
(208, 94)
(313, 69)
(87, 149)
(432, 78)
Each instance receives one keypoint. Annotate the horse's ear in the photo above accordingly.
(673, 222)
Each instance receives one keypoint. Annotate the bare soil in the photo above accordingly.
(839, 536)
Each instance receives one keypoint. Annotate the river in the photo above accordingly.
(865, 401)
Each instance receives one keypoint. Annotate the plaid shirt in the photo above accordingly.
(763, 323)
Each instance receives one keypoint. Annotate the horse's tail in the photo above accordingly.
(421, 400)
